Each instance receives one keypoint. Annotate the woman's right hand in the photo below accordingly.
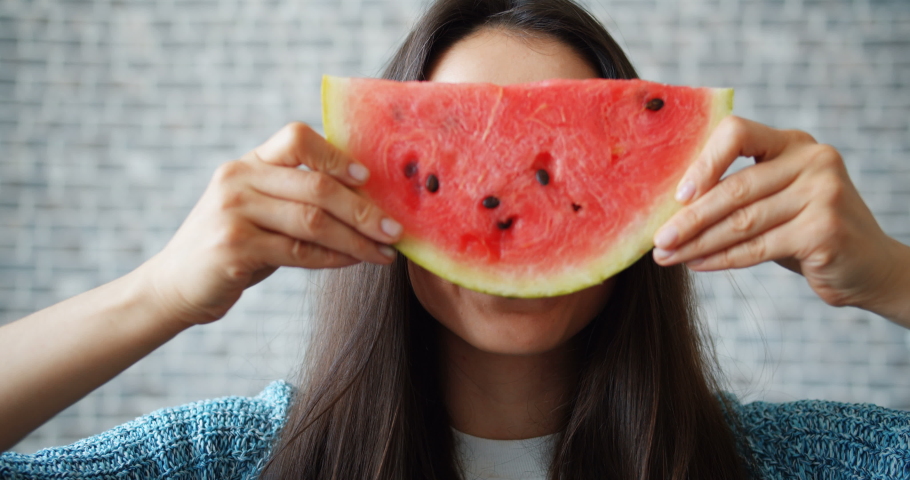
(262, 212)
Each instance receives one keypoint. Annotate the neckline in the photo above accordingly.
(485, 458)
(475, 439)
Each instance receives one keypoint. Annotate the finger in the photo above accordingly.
(772, 245)
(297, 144)
(734, 137)
(732, 193)
(741, 225)
(325, 192)
(313, 224)
(282, 251)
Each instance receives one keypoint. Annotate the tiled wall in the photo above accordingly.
(113, 116)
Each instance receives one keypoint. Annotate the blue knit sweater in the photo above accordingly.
(230, 438)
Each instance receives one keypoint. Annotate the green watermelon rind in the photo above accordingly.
(637, 236)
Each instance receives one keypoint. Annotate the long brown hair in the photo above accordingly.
(370, 404)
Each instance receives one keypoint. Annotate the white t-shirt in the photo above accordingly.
(485, 459)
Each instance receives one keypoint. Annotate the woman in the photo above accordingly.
(413, 377)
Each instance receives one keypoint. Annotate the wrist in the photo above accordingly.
(892, 297)
(141, 294)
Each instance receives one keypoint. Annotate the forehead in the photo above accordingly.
(497, 56)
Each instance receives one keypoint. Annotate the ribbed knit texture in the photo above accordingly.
(226, 438)
(828, 440)
(230, 438)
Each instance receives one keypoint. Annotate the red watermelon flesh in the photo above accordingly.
(525, 190)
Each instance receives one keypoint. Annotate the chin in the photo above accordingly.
(512, 326)
(514, 336)
(507, 325)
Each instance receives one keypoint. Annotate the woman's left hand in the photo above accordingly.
(796, 206)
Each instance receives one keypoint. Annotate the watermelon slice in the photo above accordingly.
(527, 190)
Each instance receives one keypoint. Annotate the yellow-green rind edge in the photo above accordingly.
(618, 258)
(333, 108)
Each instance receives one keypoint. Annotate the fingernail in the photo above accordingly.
(685, 191)
(387, 251)
(661, 254)
(666, 237)
(390, 227)
(358, 172)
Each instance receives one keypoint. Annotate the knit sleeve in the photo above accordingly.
(828, 440)
(226, 438)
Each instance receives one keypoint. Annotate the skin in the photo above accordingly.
(508, 362)
(797, 207)
(259, 213)
(495, 324)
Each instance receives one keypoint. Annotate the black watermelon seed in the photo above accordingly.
(576, 207)
(410, 169)
(432, 183)
(543, 177)
(490, 202)
(655, 104)
(504, 225)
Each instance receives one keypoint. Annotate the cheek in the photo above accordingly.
(593, 300)
(429, 290)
